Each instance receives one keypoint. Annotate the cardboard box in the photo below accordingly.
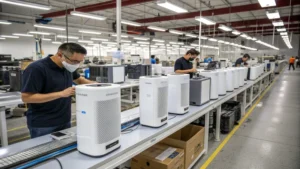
(24, 64)
(191, 139)
(159, 156)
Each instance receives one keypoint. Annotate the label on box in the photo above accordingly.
(165, 154)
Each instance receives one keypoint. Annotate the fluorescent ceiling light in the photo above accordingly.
(99, 39)
(235, 32)
(254, 39)
(278, 23)
(176, 32)
(126, 22)
(144, 45)
(142, 42)
(170, 6)
(205, 20)
(191, 35)
(273, 15)
(85, 41)
(212, 39)
(123, 36)
(21, 34)
(153, 46)
(266, 44)
(69, 42)
(26, 4)
(267, 3)
(126, 41)
(281, 29)
(157, 40)
(88, 15)
(140, 38)
(69, 37)
(249, 38)
(135, 44)
(49, 27)
(2, 38)
(90, 32)
(210, 47)
(160, 44)
(3, 22)
(57, 42)
(221, 41)
(203, 37)
(283, 33)
(9, 36)
(244, 35)
(157, 28)
(110, 43)
(225, 28)
(39, 33)
(46, 39)
(195, 45)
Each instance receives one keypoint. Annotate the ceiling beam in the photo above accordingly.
(94, 7)
(219, 11)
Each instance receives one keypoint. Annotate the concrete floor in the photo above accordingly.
(270, 137)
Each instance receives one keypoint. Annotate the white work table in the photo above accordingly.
(138, 140)
(7, 99)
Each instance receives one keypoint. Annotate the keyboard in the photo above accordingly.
(35, 152)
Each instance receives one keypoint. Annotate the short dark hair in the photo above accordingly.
(72, 48)
(246, 56)
(152, 56)
(192, 52)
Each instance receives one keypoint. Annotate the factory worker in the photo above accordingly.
(47, 88)
(242, 61)
(184, 65)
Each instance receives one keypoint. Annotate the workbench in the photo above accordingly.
(142, 137)
(7, 99)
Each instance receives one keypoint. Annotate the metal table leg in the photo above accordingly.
(218, 123)
(206, 132)
(4, 141)
(244, 103)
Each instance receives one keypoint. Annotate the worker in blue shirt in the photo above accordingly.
(47, 89)
(207, 60)
(153, 61)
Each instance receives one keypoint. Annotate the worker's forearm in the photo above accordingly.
(40, 98)
(182, 71)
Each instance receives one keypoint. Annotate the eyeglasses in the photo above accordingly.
(72, 61)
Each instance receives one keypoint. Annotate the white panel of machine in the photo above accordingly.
(214, 75)
(229, 80)
(118, 74)
(222, 83)
(205, 92)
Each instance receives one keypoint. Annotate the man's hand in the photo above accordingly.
(193, 70)
(67, 92)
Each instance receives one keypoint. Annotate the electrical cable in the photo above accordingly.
(60, 165)
(129, 130)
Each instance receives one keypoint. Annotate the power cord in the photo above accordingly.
(172, 117)
(131, 129)
(56, 159)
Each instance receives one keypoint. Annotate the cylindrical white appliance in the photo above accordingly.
(98, 114)
(245, 70)
(178, 93)
(153, 100)
(241, 77)
(214, 75)
(229, 80)
(222, 82)
(236, 75)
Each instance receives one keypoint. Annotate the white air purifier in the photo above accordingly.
(214, 75)
(222, 82)
(245, 73)
(253, 74)
(236, 75)
(98, 117)
(229, 80)
(153, 100)
(241, 77)
(178, 93)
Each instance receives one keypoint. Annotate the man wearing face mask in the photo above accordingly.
(47, 88)
(184, 64)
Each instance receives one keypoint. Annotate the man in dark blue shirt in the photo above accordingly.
(242, 61)
(184, 64)
(47, 88)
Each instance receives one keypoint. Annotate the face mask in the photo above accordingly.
(191, 59)
(69, 67)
